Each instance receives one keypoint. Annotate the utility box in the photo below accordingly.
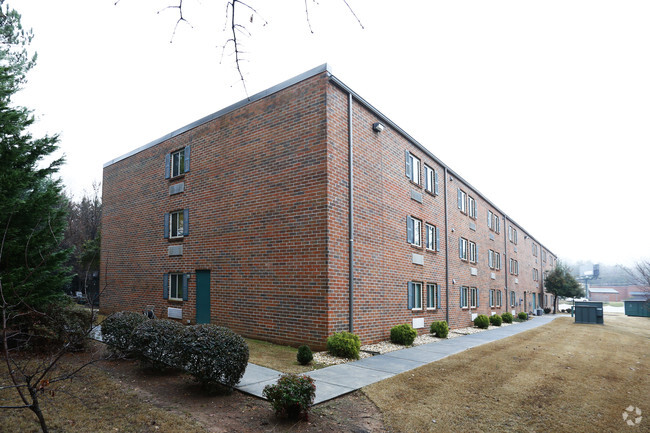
(637, 308)
(589, 312)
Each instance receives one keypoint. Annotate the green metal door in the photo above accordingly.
(202, 296)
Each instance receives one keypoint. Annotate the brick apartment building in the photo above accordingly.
(243, 219)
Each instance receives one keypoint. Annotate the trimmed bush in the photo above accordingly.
(440, 329)
(507, 317)
(344, 344)
(156, 343)
(292, 396)
(522, 315)
(403, 334)
(213, 355)
(304, 355)
(547, 310)
(63, 326)
(117, 329)
(482, 321)
(496, 320)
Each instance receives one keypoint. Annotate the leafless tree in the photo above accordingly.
(239, 17)
(640, 274)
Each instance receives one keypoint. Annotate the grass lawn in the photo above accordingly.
(281, 358)
(559, 377)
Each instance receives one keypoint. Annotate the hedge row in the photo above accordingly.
(212, 354)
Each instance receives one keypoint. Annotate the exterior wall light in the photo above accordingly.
(378, 127)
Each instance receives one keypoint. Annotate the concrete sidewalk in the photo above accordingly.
(334, 381)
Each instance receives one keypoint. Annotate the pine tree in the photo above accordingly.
(32, 205)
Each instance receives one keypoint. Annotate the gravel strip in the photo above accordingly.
(369, 350)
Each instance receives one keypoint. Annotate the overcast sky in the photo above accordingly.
(543, 106)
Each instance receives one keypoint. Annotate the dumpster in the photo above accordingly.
(589, 312)
(637, 308)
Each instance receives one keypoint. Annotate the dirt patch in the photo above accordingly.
(238, 412)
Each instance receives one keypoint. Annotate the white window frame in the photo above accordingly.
(417, 295)
(464, 297)
(430, 231)
(462, 248)
(513, 299)
(414, 175)
(498, 300)
(430, 179)
(432, 296)
(471, 206)
(462, 203)
(473, 301)
(514, 267)
(473, 252)
(492, 298)
(177, 163)
(176, 224)
(175, 287)
(512, 234)
(417, 231)
(490, 218)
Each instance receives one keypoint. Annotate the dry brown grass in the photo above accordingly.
(277, 357)
(92, 402)
(561, 377)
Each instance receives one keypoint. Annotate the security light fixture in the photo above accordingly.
(378, 127)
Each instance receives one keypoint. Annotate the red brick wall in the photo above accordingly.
(256, 194)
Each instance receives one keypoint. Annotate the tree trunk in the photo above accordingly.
(36, 408)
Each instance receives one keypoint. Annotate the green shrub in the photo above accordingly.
(507, 317)
(213, 355)
(522, 315)
(156, 343)
(482, 321)
(495, 320)
(344, 344)
(117, 329)
(62, 325)
(403, 334)
(440, 329)
(304, 355)
(292, 396)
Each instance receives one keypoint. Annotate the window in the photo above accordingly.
(175, 286)
(414, 296)
(412, 168)
(464, 297)
(472, 206)
(433, 238)
(473, 252)
(414, 231)
(514, 267)
(462, 201)
(498, 293)
(512, 235)
(494, 260)
(535, 250)
(462, 248)
(492, 298)
(493, 221)
(544, 256)
(474, 297)
(513, 300)
(535, 274)
(430, 180)
(433, 296)
(177, 224)
(177, 163)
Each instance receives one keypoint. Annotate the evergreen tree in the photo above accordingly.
(560, 282)
(32, 205)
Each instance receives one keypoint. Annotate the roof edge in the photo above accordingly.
(256, 97)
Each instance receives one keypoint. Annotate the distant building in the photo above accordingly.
(603, 294)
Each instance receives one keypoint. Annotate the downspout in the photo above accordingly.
(350, 217)
(506, 263)
(446, 252)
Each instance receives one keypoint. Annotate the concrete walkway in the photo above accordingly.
(334, 381)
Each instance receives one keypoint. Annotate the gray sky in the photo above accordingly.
(542, 106)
